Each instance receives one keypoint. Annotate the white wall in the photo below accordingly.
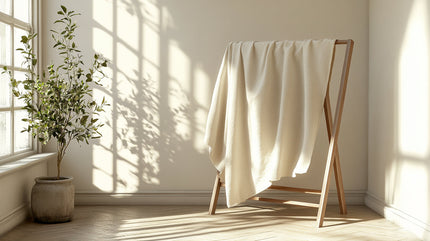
(165, 56)
(399, 112)
(15, 189)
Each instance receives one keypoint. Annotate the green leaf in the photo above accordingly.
(64, 9)
(89, 77)
(13, 82)
(84, 120)
(24, 39)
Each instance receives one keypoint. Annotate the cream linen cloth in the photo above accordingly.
(265, 112)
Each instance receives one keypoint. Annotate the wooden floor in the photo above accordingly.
(193, 223)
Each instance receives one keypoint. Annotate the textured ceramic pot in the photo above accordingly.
(52, 199)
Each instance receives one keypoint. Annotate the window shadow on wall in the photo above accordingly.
(159, 97)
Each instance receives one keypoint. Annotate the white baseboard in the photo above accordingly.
(12, 219)
(197, 198)
(397, 216)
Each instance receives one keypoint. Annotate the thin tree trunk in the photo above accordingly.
(59, 158)
(60, 155)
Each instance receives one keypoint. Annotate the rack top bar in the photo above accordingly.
(343, 41)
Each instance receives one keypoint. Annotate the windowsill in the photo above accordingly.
(14, 166)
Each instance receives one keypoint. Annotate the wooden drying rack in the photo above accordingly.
(332, 163)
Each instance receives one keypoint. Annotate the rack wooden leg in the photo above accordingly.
(337, 170)
(339, 182)
(215, 194)
(326, 184)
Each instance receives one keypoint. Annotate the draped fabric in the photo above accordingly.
(265, 112)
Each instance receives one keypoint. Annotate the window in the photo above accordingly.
(15, 21)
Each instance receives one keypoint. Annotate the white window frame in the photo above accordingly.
(33, 26)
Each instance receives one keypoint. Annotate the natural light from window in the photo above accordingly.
(408, 178)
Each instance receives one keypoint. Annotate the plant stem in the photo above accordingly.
(61, 152)
(60, 155)
(59, 159)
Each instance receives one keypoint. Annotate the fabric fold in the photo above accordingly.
(265, 112)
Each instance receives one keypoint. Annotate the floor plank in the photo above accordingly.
(265, 223)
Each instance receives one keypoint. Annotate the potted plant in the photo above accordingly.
(60, 107)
